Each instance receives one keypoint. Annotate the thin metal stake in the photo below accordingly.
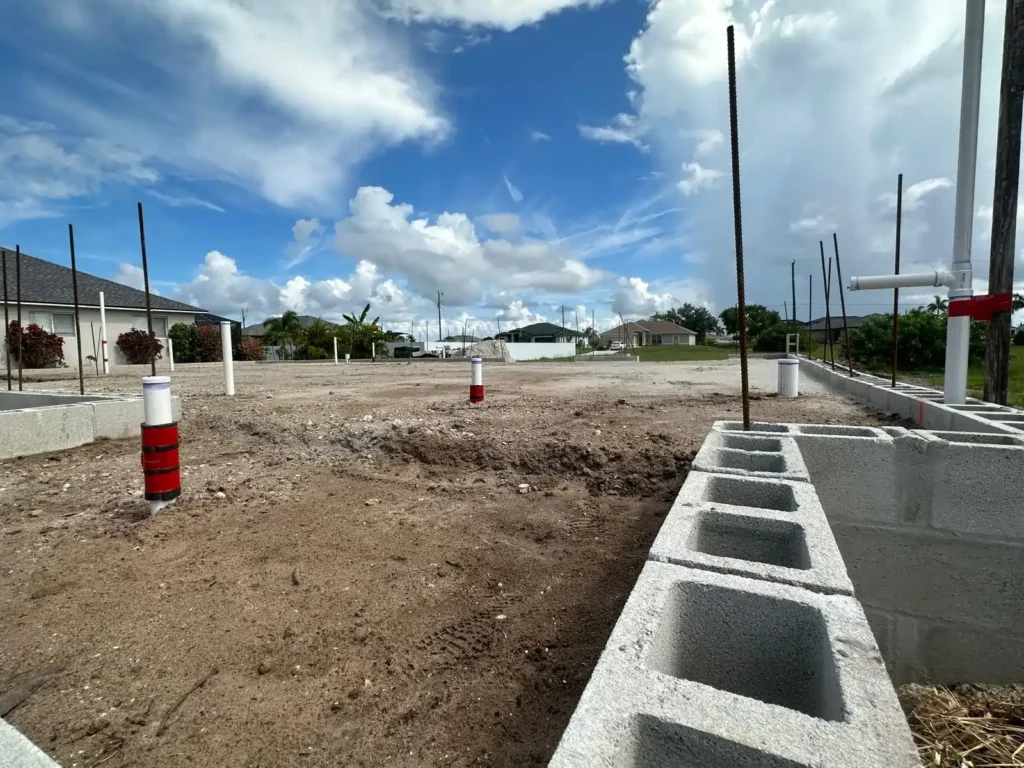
(896, 291)
(7, 321)
(826, 277)
(842, 302)
(21, 331)
(741, 302)
(145, 278)
(78, 325)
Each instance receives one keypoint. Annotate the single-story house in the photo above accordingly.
(539, 333)
(648, 333)
(818, 331)
(47, 299)
(467, 338)
(260, 329)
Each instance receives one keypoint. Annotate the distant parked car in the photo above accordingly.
(617, 346)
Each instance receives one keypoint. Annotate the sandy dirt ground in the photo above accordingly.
(353, 575)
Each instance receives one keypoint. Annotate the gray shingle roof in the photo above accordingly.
(43, 282)
(260, 329)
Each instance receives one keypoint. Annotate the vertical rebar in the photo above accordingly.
(828, 316)
(810, 312)
(21, 331)
(78, 326)
(842, 304)
(741, 301)
(145, 279)
(896, 291)
(7, 320)
(825, 279)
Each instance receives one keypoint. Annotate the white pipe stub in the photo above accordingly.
(937, 279)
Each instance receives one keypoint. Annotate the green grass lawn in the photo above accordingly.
(976, 378)
(666, 353)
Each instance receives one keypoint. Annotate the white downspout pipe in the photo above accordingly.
(958, 329)
(103, 334)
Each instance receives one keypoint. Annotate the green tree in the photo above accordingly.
(284, 331)
(315, 341)
(1018, 302)
(759, 320)
(360, 338)
(939, 306)
(922, 341)
(697, 318)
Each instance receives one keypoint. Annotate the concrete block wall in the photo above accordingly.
(41, 422)
(741, 644)
(930, 525)
(922, 405)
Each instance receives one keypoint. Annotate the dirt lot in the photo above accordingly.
(352, 568)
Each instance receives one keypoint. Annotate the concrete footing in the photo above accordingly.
(41, 422)
(802, 570)
(18, 752)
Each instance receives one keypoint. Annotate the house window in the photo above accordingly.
(61, 323)
(159, 325)
(656, 339)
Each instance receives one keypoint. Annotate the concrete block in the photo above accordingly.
(953, 653)
(727, 491)
(934, 575)
(853, 471)
(760, 544)
(755, 426)
(18, 752)
(751, 456)
(116, 419)
(46, 429)
(714, 670)
(975, 484)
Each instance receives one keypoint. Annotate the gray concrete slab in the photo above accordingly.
(18, 752)
(715, 670)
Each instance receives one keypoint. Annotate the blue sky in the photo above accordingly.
(517, 156)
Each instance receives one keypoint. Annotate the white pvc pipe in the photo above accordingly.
(348, 358)
(958, 329)
(789, 378)
(170, 352)
(225, 353)
(335, 350)
(477, 366)
(103, 334)
(937, 279)
(156, 401)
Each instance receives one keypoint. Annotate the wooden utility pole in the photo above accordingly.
(1004, 200)
(440, 295)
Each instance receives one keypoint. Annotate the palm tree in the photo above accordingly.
(1018, 302)
(939, 306)
(283, 331)
(315, 339)
(361, 336)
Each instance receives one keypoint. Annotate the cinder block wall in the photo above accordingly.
(931, 527)
(741, 644)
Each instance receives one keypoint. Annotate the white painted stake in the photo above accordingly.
(225, 352)
(347, 358)
(170, 352)
(373, 350)
(335, 350)
(103, 334)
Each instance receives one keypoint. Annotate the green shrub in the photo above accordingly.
(183, 337)
(922, 342)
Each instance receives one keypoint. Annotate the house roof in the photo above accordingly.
(43, 282)
(260, 329)
(655, 327)
(540, 329)
(836, 322)
(208, 318)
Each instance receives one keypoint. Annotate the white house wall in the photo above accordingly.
(118, 321)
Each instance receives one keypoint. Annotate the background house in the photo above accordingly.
(539, 333)
(47, 299)
(817, 328)
(647, 333)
